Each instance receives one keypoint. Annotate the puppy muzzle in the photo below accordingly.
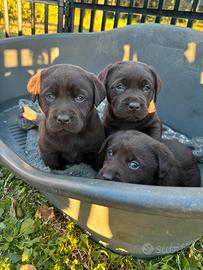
(131, 108)
(109, 174)
(69, 121)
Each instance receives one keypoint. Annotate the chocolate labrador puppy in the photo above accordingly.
(71, 131)
(131, 88)
(134, 157)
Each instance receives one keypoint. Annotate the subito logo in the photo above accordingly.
(147, 248)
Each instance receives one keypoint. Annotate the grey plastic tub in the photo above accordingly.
(144, 221)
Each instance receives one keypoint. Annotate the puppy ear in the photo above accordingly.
(104, 73)
(157, 82)
(166, 160)
(99, 90)
(105, 144)
(33, 86)
(102, 151)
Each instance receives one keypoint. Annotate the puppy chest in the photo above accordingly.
(75, 150)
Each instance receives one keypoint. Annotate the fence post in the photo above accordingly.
(6, 18)
(19, 5)
(60, 16)
(70, 12)
(32, 6)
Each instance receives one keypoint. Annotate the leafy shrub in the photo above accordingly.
(26, 11)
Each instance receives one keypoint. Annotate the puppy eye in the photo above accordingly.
(50, 97)
(80, 98)
(109, 153)
(133, 165)
(147, 88)
(120, 87)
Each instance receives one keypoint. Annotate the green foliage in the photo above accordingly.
(26, 11)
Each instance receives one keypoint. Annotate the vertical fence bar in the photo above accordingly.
(46, 11)
(32, 6)
(6, 18)
(20, 21)
(70, 13)
(60, 16)
(104, 17)
(190, 23)
(66, 16)
(143, 18)
(72, 16)
(117, 14)
(130, 15)
(93, 12)
(80, 28)
(177, 3)
(160, 7)
(193, 9)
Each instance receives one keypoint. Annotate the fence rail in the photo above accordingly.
(66, 17)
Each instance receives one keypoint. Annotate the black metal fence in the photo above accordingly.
(129, 11)
(143, 9)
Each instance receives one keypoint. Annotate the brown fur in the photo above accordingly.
(71, 131)
(129, 101)
(165, 163)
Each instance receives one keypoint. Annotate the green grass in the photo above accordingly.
(56, 243)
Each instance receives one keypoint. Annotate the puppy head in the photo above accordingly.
(131, 89)
(67, 95)
(134, 157)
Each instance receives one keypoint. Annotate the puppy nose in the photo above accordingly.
(112, 175)
(63, 118)
(134, 106)
(107, 176)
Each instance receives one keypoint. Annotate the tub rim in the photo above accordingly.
(120, 29)
(177, 202)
